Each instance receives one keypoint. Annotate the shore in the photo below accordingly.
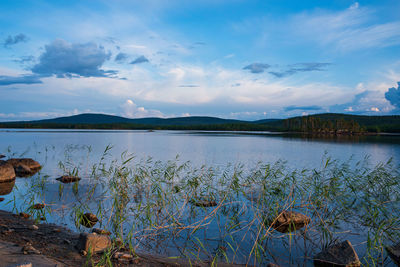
(54, 245)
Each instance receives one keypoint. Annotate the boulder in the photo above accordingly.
(24, 166)
(88, 220)
(288, 221)
(340, 254)
(93, 242)
(68, 179)
(7, 172)
(6, 187)
(394, 253)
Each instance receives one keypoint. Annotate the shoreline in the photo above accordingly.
(55, 245)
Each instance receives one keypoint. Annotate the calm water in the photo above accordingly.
(81, 149)
(213, 149)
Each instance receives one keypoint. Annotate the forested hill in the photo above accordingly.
(328, 123)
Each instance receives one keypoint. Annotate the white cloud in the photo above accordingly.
(347, 30)
(131, 110)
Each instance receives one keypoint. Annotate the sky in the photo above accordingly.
(240, 59)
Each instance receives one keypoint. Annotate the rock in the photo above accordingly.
(93, 242)
(394, 253)
(6, 187)
(2, 199)
(89, 220)
(289, 221)
(33, 227)
(38, 206)
(7, 172)
(123, 256)
(101, 231)
(24, 167)
(2, 156)
(29, 249)
(203, 202)
(341, 254)
(118, 242)
(24, 215)
(68, 179)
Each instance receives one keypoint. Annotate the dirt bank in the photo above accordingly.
(53, 245)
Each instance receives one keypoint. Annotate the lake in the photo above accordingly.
(216, 159)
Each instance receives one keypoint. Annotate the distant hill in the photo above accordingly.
(90, 118)
(319, 123)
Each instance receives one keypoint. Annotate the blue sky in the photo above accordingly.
(233, 59)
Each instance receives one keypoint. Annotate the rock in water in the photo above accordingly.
(101, 231)
(24, 166)
(289, 221)
(2, 156)
(38, 206)
(68, 179)
(394, 253)
(7, 172)
(89, 220)
(6, 187)
(93, 242)
(341, 254)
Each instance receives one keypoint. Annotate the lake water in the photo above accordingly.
(210, 148)
(81, 149)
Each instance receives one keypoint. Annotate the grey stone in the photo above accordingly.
(93, 242)
(341, 254)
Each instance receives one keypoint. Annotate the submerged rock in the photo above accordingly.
(68, 179)
(341, 254)
(6, 187)
(203, 202)
(88, 220)
(38, 206)
(93, 242)
(289, 221)
(24, 167)
(7, 172)
(394, 253)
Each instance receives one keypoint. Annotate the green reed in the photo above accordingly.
(149, 204)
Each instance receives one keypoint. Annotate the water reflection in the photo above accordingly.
(6, 187)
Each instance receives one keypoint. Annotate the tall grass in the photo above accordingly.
(151, 206)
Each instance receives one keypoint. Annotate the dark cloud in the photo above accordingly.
(257, 67)
(393, 96)
(63, 59)
(300, 67)
(121, 57)
(189, 85)
(24, 79)
(138, 60)
(12, 40)
(291, 108)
